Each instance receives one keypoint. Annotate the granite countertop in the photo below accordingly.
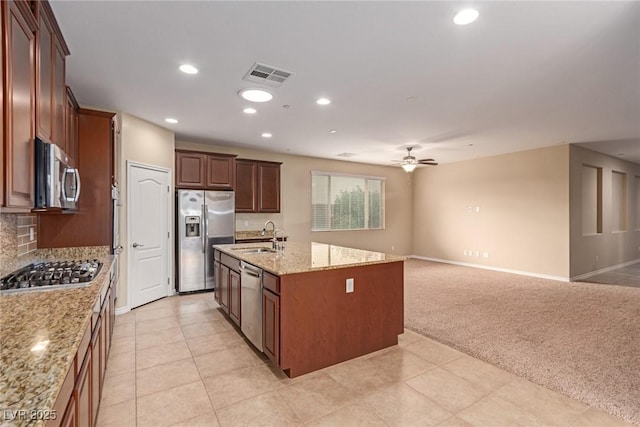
(255, 235)
(300, 257)
(31, 379)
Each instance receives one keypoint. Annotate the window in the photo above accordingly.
(346, 202)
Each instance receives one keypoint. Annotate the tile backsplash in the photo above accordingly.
(252, 221)
(19, 245)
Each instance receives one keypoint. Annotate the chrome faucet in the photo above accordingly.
(265, 226)
(277, 246)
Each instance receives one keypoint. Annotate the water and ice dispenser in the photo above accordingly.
(192, 226)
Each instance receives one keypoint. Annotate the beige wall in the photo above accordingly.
(142, 142)
(596, 251)
(295, 216)
(523, 222)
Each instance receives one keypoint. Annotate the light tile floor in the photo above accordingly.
(623, 276)
(179, 362)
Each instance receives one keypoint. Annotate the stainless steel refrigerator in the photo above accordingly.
(204, 219)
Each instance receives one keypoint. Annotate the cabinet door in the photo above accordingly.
(268, 187)
(234, 296)
(71, 126)
(83, 393)
(217, 273)
(96, 369)
(69, 419)
(44, 56)
(220, 172)
(271, 325)
(20, 91)
(224, 288)
(190, 169)
(59, 102)
(246, 186)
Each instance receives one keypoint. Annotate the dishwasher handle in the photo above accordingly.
(251, 270)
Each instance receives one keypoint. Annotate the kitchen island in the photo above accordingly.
(321, 304)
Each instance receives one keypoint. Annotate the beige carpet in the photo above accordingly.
(581, 339)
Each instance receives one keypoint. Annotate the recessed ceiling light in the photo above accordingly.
(249, 110)
(466, 16)
(266, 135)
(188, 69)
(172, 121)
(323, 101)
(333, 131)
(256, 95)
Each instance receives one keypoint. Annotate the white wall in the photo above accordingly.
(592, 251)
(523, 218)
(142, 142)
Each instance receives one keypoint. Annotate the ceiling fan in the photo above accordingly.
(409, 162)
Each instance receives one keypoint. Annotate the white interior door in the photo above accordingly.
(148, 233)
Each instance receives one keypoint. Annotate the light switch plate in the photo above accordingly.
(350, 285)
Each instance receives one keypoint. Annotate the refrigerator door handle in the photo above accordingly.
(203, 231)
(205, 220)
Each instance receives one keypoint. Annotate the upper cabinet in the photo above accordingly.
(51, 52)
(19, 96)
(207, 171)
(257, 186)
(71, 125)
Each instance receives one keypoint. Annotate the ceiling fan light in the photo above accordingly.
(409, 167)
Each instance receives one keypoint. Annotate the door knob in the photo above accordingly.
(137, 245)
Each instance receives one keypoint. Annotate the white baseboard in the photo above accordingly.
(486, 267)
(122, 310)
(603, 270)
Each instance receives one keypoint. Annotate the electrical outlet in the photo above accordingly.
(393, 248)
(32, 234)
(246, 223)
(350, 285)
(478, 209)
(596, 258)
(477, 253)
(485, 254)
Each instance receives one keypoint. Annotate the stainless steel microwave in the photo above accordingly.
(57, 183)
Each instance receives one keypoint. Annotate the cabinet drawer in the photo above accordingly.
(230, 262)
(271, 282)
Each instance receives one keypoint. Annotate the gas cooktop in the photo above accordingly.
(51, 275)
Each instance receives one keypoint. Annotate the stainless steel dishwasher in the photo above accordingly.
(251, 303)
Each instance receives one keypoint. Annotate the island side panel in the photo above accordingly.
(321, 324)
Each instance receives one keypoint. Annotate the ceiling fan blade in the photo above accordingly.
(424, 162)
(427, 160)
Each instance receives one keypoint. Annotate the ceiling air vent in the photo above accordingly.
(267, 74)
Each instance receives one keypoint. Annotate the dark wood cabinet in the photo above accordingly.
(224, 288)
(206, 171)
(71, 125)
(97, 367)
(217, 275)
(191, 169)
(82, 393)
(94, 213)
(19, 27)
(246, 186)
(257, 186)
(51, 53)
(271, 325)
(268, 187)
(221, 172)
(69, 418)
(234, 296)
(227, 285)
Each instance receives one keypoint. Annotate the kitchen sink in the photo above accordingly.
(258, 251)
(254, 250)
